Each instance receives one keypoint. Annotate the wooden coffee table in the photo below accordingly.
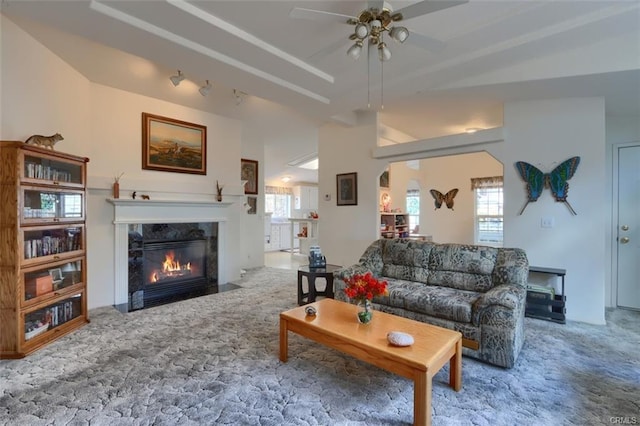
(336, 326)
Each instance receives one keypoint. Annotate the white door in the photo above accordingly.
(629, 227)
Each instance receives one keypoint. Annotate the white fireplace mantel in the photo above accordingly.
(128, 211)
(167, 211)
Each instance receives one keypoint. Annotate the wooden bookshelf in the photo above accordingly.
(43, 266)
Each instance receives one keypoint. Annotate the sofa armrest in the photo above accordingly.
(351, 270)
(508, 296)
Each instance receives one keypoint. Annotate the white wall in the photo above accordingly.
(346, 231)
(41, 94)
(45, 96)
(545, 133)
(443, 174)
(252, 235)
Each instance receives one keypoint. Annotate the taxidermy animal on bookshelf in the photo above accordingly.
(44, 141)
(443, 198)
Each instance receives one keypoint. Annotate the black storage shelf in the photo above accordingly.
(551, 310)
(541, 306)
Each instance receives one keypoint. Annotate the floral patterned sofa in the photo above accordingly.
(476, 290)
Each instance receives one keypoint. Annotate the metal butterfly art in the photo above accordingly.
(446, 198)
(556, 181)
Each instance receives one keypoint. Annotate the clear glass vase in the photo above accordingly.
(364, 311)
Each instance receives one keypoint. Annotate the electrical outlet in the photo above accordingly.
(547, 222)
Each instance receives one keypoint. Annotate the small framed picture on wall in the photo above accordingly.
(249, 172)
(347, 189)
(253, 205)
(384, 179)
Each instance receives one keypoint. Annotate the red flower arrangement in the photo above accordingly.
(364, 287)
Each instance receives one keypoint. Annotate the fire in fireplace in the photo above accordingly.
(171, 269)
(175, 261)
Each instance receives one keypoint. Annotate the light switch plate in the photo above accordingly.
(547, 222)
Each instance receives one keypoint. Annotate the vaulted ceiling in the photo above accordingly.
(490, 52)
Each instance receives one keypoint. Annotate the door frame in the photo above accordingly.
(613, 294)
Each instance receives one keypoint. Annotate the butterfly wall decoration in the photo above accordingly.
(556, 181)
(443, 198)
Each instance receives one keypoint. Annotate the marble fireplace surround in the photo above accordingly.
(128, 211)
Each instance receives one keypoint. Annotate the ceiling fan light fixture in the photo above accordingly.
(355, 50)
(383, 52)
(204, 90)
(399, 34)
(176, 79)
(362, 31)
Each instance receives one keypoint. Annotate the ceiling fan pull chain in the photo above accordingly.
(381, 84)
(368, 77)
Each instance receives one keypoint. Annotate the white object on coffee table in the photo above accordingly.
(398, 338)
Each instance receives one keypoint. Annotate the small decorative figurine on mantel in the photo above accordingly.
(219, 191)
(44, 141)
(116, 186)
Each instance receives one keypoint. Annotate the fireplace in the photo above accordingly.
(171, 261)
(137, 222)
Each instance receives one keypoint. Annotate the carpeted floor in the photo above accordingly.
(214, 360)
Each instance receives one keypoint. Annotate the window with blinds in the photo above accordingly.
(277, 200)
(488, 210)
(413, 208)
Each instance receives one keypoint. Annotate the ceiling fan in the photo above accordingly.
(379, 18)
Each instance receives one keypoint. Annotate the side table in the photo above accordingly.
(312, 274)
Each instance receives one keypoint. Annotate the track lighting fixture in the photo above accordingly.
(176, 79)
(239, 96)
(204, 90)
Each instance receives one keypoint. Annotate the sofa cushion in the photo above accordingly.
(371, 259)
(441, 302)
(463, 267)
(406, 260)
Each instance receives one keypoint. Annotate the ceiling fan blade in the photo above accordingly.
(330, 49)
(319, 15)
(427, 6)
(425, 42)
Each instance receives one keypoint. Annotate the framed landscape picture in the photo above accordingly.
(172, 145)
(249, 172)
(347, 189)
